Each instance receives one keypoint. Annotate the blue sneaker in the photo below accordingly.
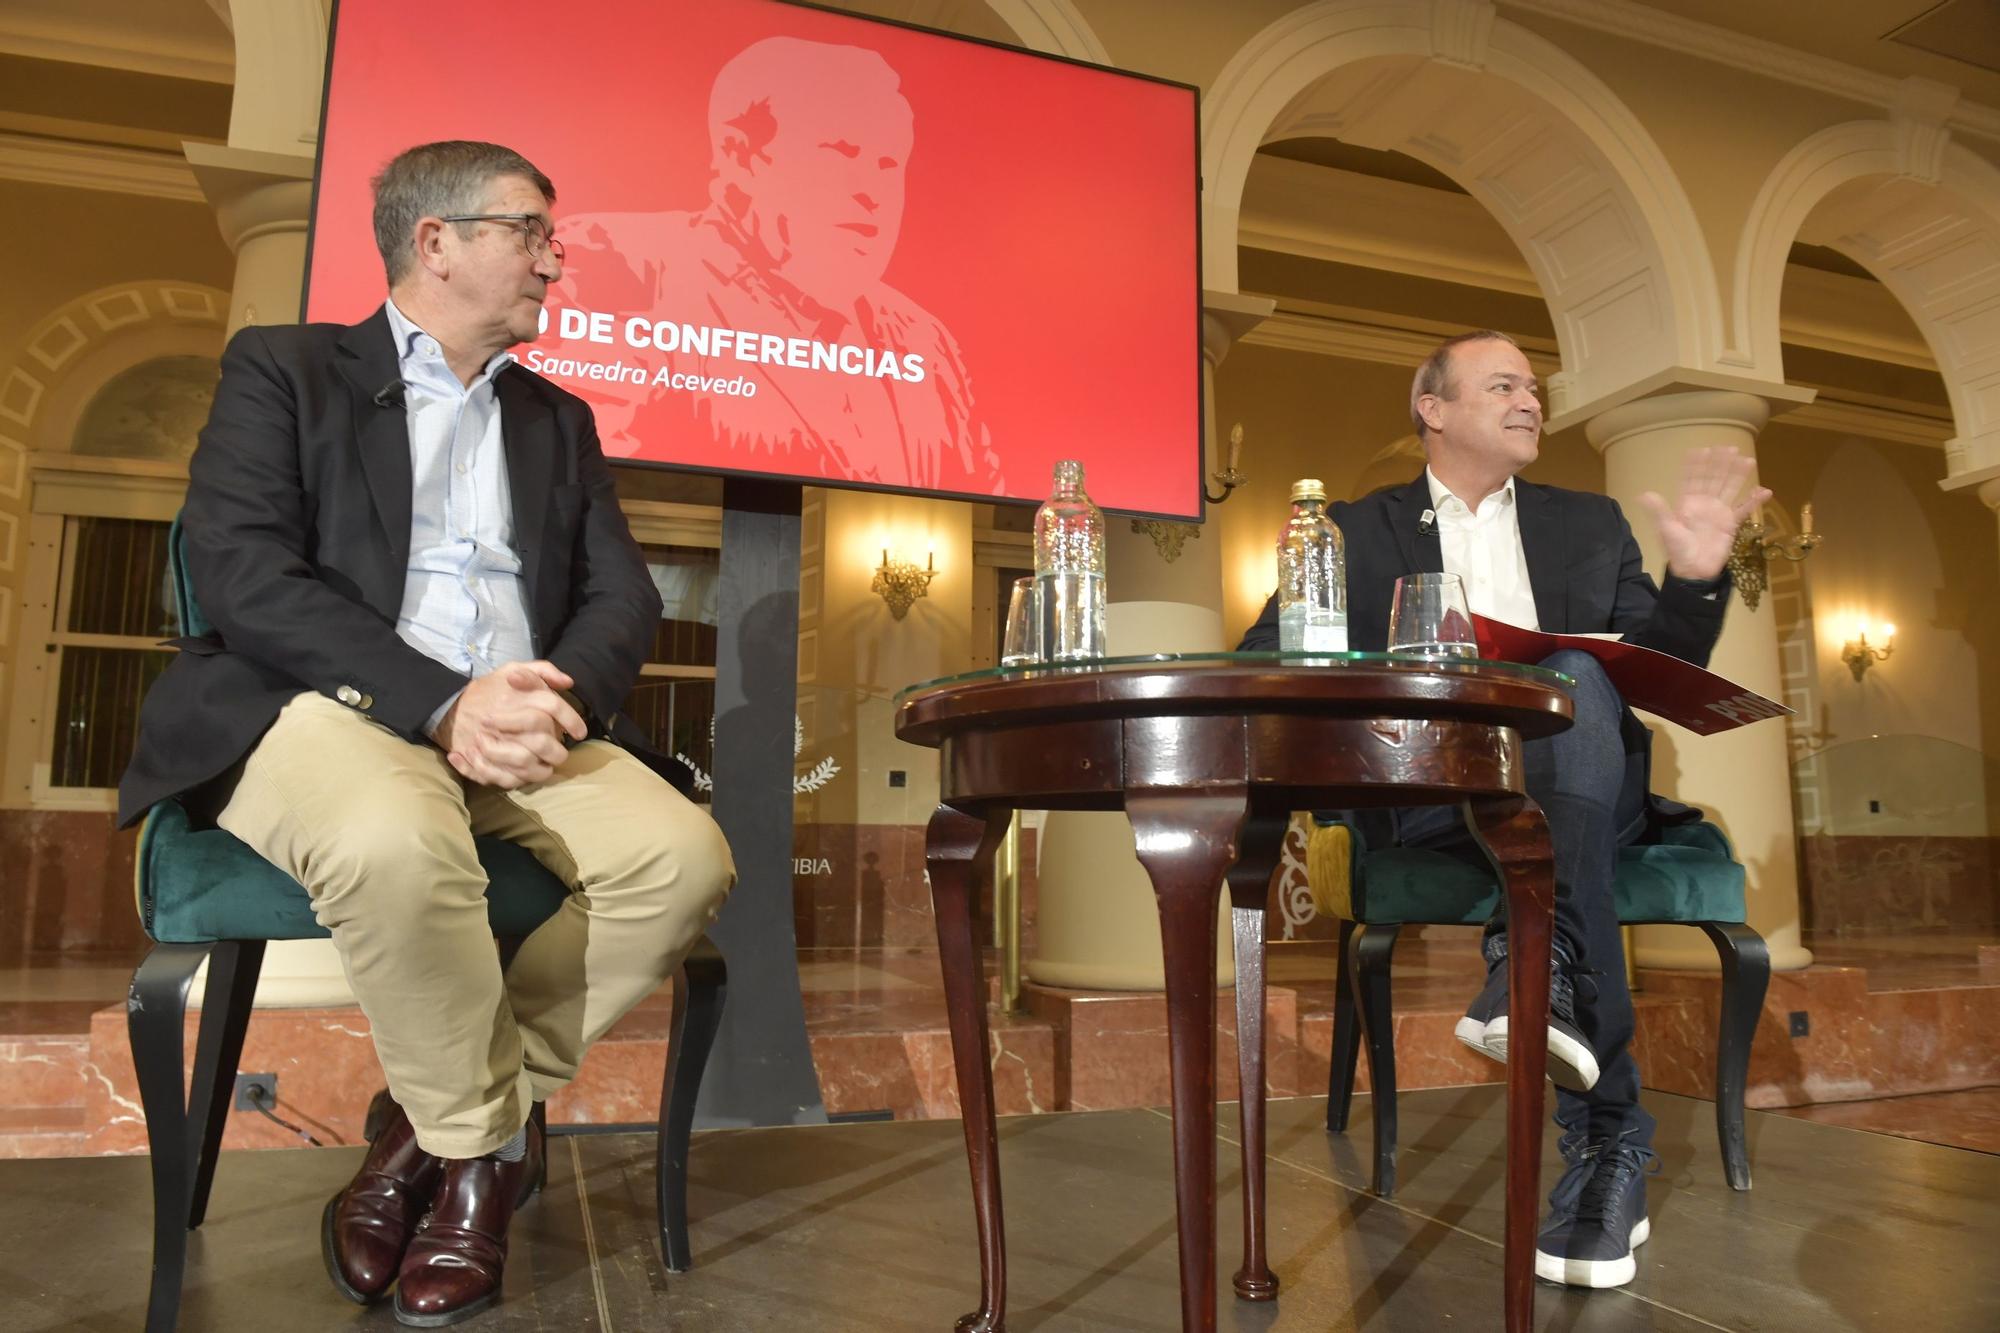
(1572, 1064)
(1492, 998)
(1597, 1212)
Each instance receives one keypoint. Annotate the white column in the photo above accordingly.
(1742, 778)
(262, 202)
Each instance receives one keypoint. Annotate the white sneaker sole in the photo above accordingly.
(1473, 1033)
(1571, 1065)
(1593, 1272)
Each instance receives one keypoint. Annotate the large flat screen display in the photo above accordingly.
(809, 245)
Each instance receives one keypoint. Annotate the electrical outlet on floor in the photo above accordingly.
(255, 1090)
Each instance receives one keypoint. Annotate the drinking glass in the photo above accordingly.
(1023, 641)
(1429, 617)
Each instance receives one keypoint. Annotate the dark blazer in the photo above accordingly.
(1584, 569)
(297, 528)
(1587, 577)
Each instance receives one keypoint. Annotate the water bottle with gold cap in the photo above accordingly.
(1312, 576)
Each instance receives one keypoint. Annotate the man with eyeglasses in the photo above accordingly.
(428, 610)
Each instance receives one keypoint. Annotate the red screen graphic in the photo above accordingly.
(808, 245)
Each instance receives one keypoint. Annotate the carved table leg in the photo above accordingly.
(1249, 892)
(957, 848)
(1187, 842)
(1515, 837)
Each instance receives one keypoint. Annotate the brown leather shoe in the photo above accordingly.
(453, 1266)
(368, 1225)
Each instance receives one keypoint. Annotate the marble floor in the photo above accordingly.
(868, 1229)
(1969, 1119)
(52, 994)
(892, 986)
(1914, 960)
(877, 1020)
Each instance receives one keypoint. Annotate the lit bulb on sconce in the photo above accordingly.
(1859, 654)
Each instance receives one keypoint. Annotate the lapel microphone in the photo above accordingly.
(390, 394)
(1425, 525)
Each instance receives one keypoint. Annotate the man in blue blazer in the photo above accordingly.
(428, 611)
(1565, 562)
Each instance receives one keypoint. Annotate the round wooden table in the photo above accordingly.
(1208, 755)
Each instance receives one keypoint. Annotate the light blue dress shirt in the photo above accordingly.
(463, 599)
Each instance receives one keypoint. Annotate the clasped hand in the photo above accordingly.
(505, 729)
(1698, 529)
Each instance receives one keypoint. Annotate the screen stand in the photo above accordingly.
(761, 1071)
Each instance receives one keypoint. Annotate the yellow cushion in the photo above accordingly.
(1329, 869)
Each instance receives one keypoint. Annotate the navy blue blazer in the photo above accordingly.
(1587, 576)
(1584, 569)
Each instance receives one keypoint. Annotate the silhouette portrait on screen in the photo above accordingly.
(810, 147)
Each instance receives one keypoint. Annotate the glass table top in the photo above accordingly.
(1212, 661)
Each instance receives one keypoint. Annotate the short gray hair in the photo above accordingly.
(437, 180)
(1434, 375)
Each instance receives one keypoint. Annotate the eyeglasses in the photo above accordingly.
(535, 233)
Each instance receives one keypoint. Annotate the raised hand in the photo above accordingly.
(1699, 528)
(505, 729)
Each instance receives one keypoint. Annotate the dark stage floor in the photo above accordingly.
(869, 1228)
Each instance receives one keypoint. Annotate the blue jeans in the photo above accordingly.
(1594, 795)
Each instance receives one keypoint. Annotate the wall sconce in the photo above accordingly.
(1747, 561)
(1168, 536)
(1229, 478)
(900, 583)
(1859, 655)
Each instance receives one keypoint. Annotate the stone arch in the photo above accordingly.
(1052, 26)
(67, 357)
(81, 346)
(1539, 140)
(280, 72)
(1922, 216)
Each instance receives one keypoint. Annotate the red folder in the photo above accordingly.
(1652, 681)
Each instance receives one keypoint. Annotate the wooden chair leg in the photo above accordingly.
(225, 1016)
(1746, 972)
(155, 1013)
(1371, 950)
(1346, 1054)
(700, 988)
(538, 1116)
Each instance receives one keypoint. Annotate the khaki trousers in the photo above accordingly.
(379, 831)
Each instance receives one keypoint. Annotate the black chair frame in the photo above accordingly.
(184, 1121)
(1362, 1013)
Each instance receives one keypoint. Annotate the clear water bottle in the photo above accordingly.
(1069, 569)
(1312, 576)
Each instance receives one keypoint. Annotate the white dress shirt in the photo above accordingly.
(463, 600)
(1483, 547)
